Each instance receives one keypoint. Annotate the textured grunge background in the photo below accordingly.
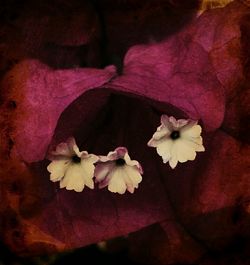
(104, 71)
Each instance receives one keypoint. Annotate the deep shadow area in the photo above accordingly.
(88, 33)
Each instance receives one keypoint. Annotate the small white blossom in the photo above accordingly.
(177, 140)
(74, 169)
(118, 171)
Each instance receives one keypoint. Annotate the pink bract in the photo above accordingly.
(201, 73)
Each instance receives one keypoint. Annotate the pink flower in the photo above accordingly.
(118, 171)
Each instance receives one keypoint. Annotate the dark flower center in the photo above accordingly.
(120, 162)
(175, 135)
(76, 159)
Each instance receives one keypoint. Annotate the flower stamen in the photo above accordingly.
(120, 162)
(175, 135)
(76, 159)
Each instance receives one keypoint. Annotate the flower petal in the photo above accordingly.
(167, 122)
(161, 132)
(134, 176)
(90, 158)
(117, 183)
(63, 149)
(133, 163)
(121, 152)
(175, 124)
(164, 149)
(196, 144)
(191, 131)
(88, 169)
(102, 170)
(73, 179)
(173, 162)
(57, 169)
(76, 150)
(184, 152)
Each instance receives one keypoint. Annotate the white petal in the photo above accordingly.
(126, 178)
(196, 144)
(161, 132)
(131, 163)
(93, 158)
(173, 162)
(76, 150)
(134, 175)
(73, 179)
(57, 169)
(184, 151)
(88, 181)
(152, 142)
(110, 156)
(164, 149)
(127, 158)
(88, 169)
(117, 183)
(191, 131)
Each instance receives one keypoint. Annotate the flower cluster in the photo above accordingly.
(175, 141)
(75, 169)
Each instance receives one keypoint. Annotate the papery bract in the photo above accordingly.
(192, 74)
(38, 110)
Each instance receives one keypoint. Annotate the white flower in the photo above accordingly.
(74, 169)
(177, 140)
(118, 171)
